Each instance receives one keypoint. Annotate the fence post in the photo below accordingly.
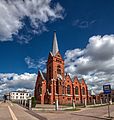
(85, 102)
(94, 102)
(25, 103)
(101, 102)
(73, 103)
(22, 102)
(56, 104)
(30, 103)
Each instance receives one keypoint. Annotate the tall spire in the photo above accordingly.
(55, 45)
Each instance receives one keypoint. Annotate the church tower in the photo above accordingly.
(55, 71)
(55, 63)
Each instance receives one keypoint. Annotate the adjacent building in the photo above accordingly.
(105, 97)
(55, 84)
(19, 95)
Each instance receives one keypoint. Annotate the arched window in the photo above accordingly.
(76, 90)
(49, 88)
(59, 69)
(83, 91)
(68, 89)
(57, 87)
(49, 73)
(39, 90)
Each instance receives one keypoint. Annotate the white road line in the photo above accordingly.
(12, 114)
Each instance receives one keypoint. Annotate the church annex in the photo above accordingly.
(55, 84)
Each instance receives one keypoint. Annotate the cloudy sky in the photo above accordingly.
(85, 35)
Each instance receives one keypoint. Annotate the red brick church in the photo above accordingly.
(55, 84)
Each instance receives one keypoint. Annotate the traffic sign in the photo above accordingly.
(107, 89)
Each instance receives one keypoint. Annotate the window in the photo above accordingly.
(69, 99)
(83, 91)
(59, 61)
(58, 55)
(40, 90)
(50, 89)
(59, 69)
(57, 87)
(68, 89)
(76, 90)
(77, 99)
(49, 73)
(63, 90)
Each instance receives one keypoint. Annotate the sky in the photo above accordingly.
(85, 34)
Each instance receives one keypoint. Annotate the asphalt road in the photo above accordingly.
(10, 111)
(98, 113)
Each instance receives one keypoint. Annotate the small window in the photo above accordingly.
(77, 99)
(69, 99)
(63, 90)
(50, 89)
(58, 55)
(76, 90)
(83, 91)
(68, 89)
(59, 69)
(40, 90)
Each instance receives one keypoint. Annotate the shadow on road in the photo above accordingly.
(90, 116)
(36, 115)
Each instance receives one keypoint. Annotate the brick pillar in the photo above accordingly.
(52, 92)
(43, 92)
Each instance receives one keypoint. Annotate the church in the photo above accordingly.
(55, 84)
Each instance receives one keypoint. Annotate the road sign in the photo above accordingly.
(107, 89)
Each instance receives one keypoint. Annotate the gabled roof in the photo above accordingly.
(50, 53)
(76, 79)
(43, 75)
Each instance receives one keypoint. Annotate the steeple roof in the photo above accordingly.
(55, 45)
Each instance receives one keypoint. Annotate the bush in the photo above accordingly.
(33, 102)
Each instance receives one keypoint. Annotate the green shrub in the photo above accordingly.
(33, 102)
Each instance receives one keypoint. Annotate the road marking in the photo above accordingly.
(12, 113)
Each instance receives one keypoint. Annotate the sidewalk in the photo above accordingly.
(47, 107)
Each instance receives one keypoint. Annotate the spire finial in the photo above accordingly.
(55, 45)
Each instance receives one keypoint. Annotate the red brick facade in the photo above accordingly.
(56, 85)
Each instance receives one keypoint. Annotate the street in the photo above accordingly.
(10, 111)
(97, 113)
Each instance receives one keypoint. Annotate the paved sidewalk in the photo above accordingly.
(10, 111)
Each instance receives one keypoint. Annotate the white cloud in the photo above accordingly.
(11, 81)
(39, 12)
(95, 63)
(83, 23)
(36, 64)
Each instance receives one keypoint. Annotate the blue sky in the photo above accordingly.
(84, 32)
